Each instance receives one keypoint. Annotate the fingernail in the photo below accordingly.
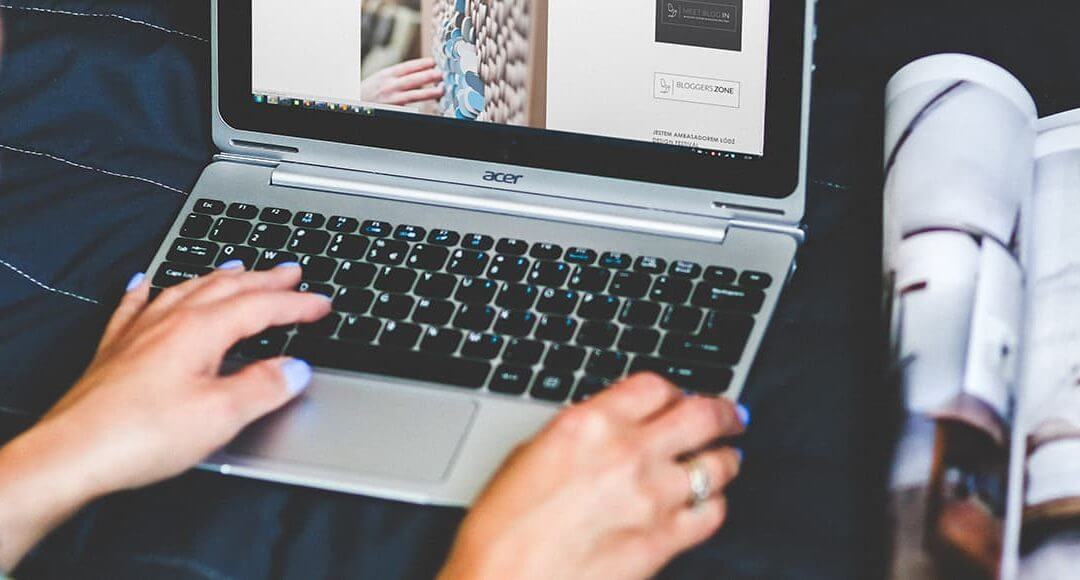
(297, 375)
(135, 281)
(740, 453)
(744, 414)
(232, 265)
(289, 265)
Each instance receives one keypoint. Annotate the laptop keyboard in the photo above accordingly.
(511, 316)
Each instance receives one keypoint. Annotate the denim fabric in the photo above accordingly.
(103, 128)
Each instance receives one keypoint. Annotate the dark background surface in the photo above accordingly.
(117, 97)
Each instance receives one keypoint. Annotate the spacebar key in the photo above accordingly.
(351, 356)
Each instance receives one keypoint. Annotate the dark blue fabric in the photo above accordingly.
(103, 127)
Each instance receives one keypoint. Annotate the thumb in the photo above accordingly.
(266, 386)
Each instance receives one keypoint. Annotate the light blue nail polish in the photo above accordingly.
(740, 453)
(232, 265)
(744, 414)
(289, 265)
(135, 281)
(297, 375)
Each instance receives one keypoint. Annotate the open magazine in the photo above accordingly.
(982, 255)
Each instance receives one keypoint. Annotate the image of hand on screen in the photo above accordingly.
(413, 81)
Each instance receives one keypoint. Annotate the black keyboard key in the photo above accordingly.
(671, 290)
(359, 328)
(639, 313)
(616, 261)
(404, 364)
(318, 268)
(433, 312)
(650, 265)
(701, 378)
(269, 236)
(441, 341)
(209, 206)
(347, 247)
(243, 253)
(483, 346)
(598, 307)
(729, 328)
(476, 291)
(642, 340)
(517, 296)
(356, 274)
(583, 256)
(353, 300)
(309, 219)
(720, 275)
(395, 280)
(170, 274)
(508, 268)
(478, 242)
(194, 252)
(597, 334)
(432, 285)
(342, 224)
(395, 306)
(305, 241)
(552, 274)
(197, 226)
(447, 238)
(474, 317)
(275, 215)
(554, 301)
(468, 263)
(630, 284)
(425, 257)
(757, 280)
(270, 259)
(523, 352)
(588, 387)
(697, 349)
(563, 357)
(410, 233)
(589, 279)
(556, 328)
(728, 298)
(552, 386)
(512, 247)
(683, 319)
(316, 288)
(242, 211)
(684, 269)
(515, 322)
(510, 380)
(399, 335)
(326, 326)
(546, 251)
(607, 364)
(229, 231)
(267, 344)
(376, 229)
(388, 252)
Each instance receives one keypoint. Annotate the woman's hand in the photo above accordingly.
(413, 81)
(603, 491)
(152, 403)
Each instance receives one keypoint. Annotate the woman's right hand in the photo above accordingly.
(603, 491)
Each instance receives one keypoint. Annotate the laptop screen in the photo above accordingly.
(690, 74)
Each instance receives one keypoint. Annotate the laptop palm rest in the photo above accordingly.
(388, 432)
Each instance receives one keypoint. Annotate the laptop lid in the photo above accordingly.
(684, 106)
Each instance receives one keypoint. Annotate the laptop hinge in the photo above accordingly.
(246, 159)
(501, 202)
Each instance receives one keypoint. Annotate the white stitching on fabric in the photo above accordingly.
(20, 413)
(89, 168)
(830, 184)
(46, 286)
(105, 15)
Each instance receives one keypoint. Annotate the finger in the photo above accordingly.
(691, 424)
(637, 397)
(223, 324)
(721, 467)
(284, 277)
(417, 96)
(133, 302)
(691, 526)
(411, 66)
(417, 80)
(174, 295)
(263, 387)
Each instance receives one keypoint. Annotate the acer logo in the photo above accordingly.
(509, 178)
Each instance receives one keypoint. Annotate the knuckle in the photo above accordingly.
(703, 411)
(581, 422)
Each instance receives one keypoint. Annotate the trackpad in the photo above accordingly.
(380, 431)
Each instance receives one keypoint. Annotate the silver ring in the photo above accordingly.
(700, 483)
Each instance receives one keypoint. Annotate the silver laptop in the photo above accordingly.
(513, 203)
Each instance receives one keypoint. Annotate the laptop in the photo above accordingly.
(512, 203)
